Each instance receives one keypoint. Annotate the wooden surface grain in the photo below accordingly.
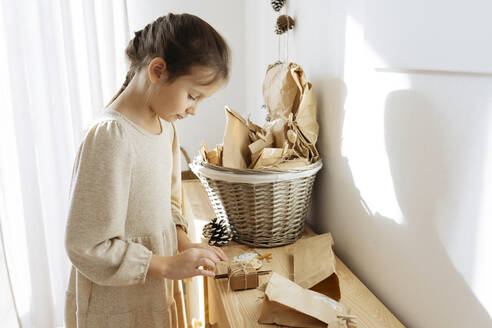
(242, 308)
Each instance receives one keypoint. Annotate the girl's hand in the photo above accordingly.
(184, 243)
(189, 263)
(219, 252)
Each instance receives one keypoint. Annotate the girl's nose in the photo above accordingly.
(191, 110)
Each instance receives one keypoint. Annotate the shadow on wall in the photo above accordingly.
(415, 144)
(414, 261)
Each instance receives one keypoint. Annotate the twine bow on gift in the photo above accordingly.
(241, 268)
(349, 319)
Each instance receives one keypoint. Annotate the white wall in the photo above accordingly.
(227, 18)
(405, 187)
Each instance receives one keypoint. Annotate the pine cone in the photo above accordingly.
(277, 4)
(218, 232)
(284, 23)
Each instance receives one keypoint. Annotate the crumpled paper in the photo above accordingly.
(311, 273)
(287, 140)
(235, 150)
(291, 105)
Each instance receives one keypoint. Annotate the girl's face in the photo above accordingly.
(180, 98)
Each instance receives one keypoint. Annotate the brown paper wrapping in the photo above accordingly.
(298, 303)
(211, 156)
(310, 272)
(291, 305)
(306, 115)
(286, 91)
(257, 146)
(291, 164)
(280, 92)
(271, 156)
(242, 276)
(292, 125)
(235, 152)
(276, 313)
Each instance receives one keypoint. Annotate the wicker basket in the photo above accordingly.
(266, 208)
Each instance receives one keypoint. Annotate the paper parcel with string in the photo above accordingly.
(311, 300)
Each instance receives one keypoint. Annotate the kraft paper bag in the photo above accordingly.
(276, 313)
(314, 265)
(291, 164)
(280, 92)
(286, 91)
(305, 117)
(235, 150)
(305, 123)
(257, 146)
(203, 151)
(288, 304)
(267, 157)
(210, 156)
(213, 157)
(255, 128)
(271, 156)
(278, 129)
(219, 154)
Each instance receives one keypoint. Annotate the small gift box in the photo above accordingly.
(242, 276)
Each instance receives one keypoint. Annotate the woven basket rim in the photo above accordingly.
(229, 175)
(198, 162)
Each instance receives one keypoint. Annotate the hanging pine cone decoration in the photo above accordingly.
(218, 232)
(284, 23)
(277, 4)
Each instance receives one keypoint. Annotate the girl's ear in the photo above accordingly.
(157, 69)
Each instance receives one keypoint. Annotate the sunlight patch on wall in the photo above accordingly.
(363, 130)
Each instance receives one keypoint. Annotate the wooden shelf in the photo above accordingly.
(225, 308)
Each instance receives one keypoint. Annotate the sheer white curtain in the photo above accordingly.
(60, 62)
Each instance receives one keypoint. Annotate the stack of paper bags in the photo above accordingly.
(288, 138)
(311, 300)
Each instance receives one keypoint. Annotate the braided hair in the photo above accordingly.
(183, 41)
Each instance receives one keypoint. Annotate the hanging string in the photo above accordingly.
(287, 32)
(278, 50)
(283, 41)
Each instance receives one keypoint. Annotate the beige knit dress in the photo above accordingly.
(125, 202)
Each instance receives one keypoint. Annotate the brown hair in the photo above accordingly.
(183, 41)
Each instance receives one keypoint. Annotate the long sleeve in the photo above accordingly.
(176, 192)
(95, 232)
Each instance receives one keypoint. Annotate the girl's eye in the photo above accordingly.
(191, 97)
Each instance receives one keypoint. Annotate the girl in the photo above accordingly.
(126, 236)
